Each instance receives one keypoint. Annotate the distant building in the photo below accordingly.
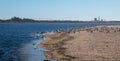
(98, 19)
(95, 19)
(102, 20)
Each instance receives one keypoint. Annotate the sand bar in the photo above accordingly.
(100, 43)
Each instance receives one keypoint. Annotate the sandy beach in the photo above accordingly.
(100, 43)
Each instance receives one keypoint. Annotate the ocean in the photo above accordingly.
(17, 39)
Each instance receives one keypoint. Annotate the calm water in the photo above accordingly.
(14, 36)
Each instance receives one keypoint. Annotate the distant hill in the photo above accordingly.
(17, 19)
(24, 20)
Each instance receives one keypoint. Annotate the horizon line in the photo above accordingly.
(59, 19)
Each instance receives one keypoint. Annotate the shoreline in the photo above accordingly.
(55, 46)
(28, 51)
(88, 43)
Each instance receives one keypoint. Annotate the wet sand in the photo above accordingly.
(100, 43)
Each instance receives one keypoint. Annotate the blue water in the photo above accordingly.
(15, 35)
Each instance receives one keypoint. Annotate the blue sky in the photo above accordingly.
(60, 9)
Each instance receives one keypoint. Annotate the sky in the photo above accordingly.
(60, 9)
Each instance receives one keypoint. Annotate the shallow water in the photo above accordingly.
(19, 38)
(28, 52)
